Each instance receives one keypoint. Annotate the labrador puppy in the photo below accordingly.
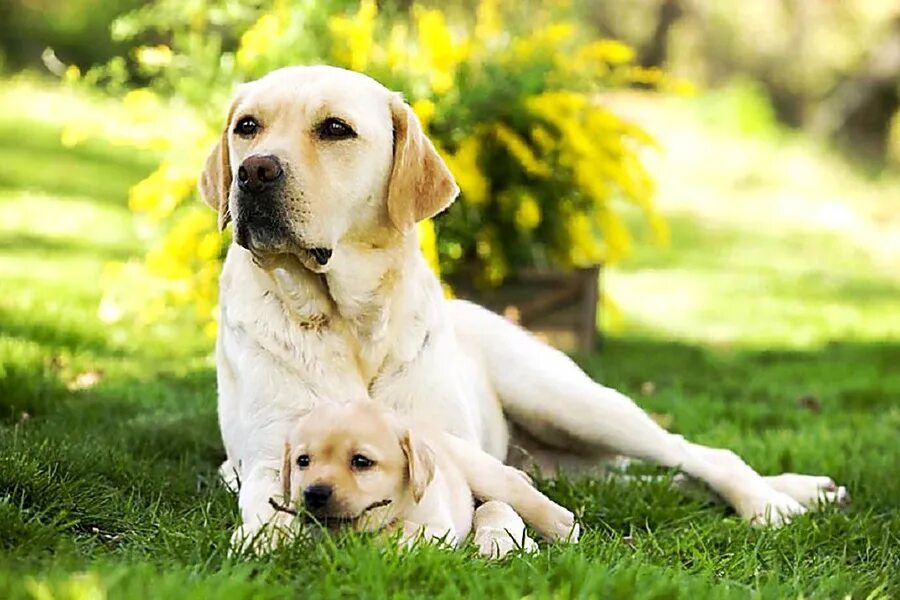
(356, 465)
(325, 294)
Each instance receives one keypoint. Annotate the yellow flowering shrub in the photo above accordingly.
(511, 96)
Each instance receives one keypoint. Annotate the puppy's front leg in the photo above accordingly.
(262, 527)
(431, 533)
(499, 530)
(490, 479)
(431, 520)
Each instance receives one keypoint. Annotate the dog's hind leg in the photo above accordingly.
(546, 393)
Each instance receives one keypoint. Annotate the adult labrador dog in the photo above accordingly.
(326, 297)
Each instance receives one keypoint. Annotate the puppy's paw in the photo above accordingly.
(440, 535)
(496, 543)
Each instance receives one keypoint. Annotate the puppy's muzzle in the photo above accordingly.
(316, 497)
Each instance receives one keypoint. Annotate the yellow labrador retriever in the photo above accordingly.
(358, 465)
(325, 294)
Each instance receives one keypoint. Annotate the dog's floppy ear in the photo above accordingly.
(420, 464)
(215, 182)
(421, 185)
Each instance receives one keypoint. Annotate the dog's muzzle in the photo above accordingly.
(259, 173)
(261, 224)
(259, 220)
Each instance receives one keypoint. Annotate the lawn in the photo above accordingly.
(765, 327)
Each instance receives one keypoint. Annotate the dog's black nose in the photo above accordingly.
(259, 172)
(322, 255)
(316, 496)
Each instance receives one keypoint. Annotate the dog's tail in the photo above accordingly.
(546, 393)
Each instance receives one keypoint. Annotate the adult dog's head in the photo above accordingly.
(313, 157)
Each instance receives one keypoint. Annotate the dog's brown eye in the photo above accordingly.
(361, 462)
(303, 461)
(246, 127)
(334, 129)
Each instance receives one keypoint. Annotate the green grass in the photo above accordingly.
(112, 488)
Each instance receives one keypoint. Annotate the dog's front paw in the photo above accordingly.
(769, 508)
(262, 539)
(230, 477)
(493, 542)
(244, 540)
(810, 490)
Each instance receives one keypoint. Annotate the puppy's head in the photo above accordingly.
(352, 464)
(313, 157)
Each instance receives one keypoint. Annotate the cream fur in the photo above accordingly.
(373, 321)
(420, 480)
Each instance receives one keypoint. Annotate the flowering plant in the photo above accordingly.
(511, 99)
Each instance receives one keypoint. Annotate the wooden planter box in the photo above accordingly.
(560, 307)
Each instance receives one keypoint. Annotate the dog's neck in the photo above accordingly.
(362, 281)
(374, 292)
(382, 296)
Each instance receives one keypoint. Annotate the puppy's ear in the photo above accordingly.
(286, 475)
(215, 181)
(420, 464)
(421, 185)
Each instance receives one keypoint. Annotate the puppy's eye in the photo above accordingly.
(334, 129)
(303, 461)
(361, 462)
(246, 127)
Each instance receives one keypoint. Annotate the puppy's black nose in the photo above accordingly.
(259, 172)
(322, 255)
(316, 496)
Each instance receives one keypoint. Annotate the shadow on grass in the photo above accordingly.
(834, 379)
(128, 467)
(168, 414)
(75, 335)
(51, 247)
(38, 162)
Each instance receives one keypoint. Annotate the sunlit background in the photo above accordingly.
(701, 197)
(727, 163)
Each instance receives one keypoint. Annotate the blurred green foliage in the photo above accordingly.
(109, 442)
(77, 30)
(510, 98)
(832, 68)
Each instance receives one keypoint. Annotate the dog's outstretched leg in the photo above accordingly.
(546, 393)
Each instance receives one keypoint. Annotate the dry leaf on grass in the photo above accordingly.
(85, 380)
(810, 402)
(664, 420)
